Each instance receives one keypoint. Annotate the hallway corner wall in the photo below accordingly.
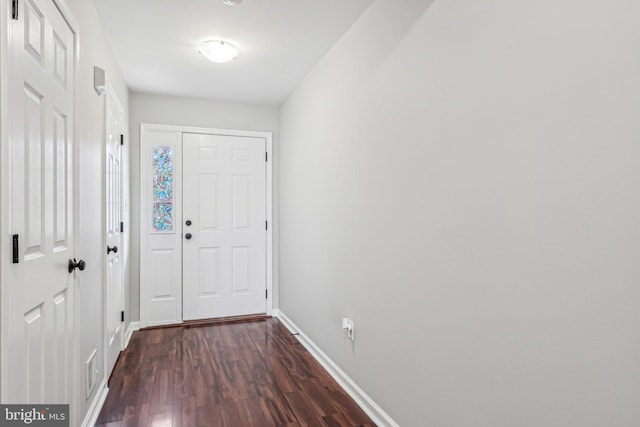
(94, 51)
(461, 180)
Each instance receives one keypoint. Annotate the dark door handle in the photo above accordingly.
(188, 236)
(16, 255)
(73, 264)
(114, 249)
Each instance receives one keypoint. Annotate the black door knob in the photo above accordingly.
(188, 236)
(114, 249)
(73, 264)
(188, 222)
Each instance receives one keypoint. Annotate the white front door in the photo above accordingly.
(223, 227)
(37, 289)
(114, 323)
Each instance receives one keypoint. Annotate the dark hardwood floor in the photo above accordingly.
(233, 375)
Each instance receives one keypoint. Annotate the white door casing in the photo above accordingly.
(114, 295)
(39, 337)
(224, 258)
(161, 257)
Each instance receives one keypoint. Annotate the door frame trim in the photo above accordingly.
(268, 136)
(77, 403)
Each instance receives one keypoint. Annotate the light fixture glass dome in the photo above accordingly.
(218, 51)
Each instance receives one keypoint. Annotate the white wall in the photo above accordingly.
(167, 110)
(91, 127)
(461, 179)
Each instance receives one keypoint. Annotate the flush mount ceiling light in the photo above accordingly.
(218, 51)
(232, 2)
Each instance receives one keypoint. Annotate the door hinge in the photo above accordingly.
(16, 255)
(266, 294)
(266, 156)
(266, 225)
(122, 316)
(14, 10)
(122, 227)
(121, 139)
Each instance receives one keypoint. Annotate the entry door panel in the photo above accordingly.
(224, 247)
(38, 330)
(160, 224)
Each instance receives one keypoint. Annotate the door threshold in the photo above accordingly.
(214, 321)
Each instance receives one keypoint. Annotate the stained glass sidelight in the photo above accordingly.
(162, 217)
(162, 160)
(162, 189)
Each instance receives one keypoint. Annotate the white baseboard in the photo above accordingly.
(133, 326)
(371, 408)
(96, 406)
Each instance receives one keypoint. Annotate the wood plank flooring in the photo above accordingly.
(248, 374)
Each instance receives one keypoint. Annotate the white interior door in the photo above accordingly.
(114, 323)
(38, 297)
(224, 233)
